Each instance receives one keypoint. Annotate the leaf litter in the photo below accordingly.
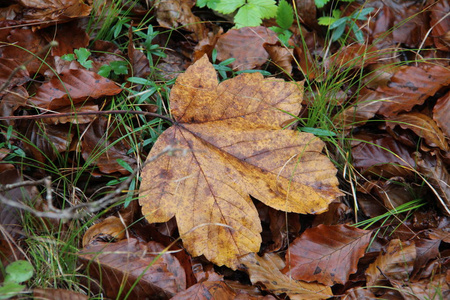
(237, 206)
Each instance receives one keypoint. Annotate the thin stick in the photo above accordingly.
(88, 113)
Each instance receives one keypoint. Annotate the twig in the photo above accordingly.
(80, 210)
(88, 113)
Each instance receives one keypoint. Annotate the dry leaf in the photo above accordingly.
(411, 86)
(423, 126)
(246, 46)
(111, 228)
(118, 265)
(266, 270)
(396, 264)
(72, 87)
(234, 147)
(58, 294)
(441, 114)
(327, 254)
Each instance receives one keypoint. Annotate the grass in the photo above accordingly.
(52, 246)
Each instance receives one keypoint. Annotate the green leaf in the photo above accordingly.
(285, 15)
(326, 21)
(267, 8)
(229, 6)
(358, 34)
(212, 4)
(228, 61)
(284, 37)
(337, 33)
(68, 57)
(10, 289)
(321, 3)
(119, 67)
(19, 271)
(336, 13)
(125, 165)
(104, 70)
(82, 56)
(139, 80)
(362, 15)
(201, 3)
(247, 15)
(317, 131)
(276, 29)
(339, 22)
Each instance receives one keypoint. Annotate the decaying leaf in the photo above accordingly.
(118, 265)
(437, 175)
(61, 294)
(411, 86)
(246, 46)
(423, 126)
(396, 264)
(441, 113)
(266, 270)
(71, 87)
(327, 254)
(234, 147)
(111, 229)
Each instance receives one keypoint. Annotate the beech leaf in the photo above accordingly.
(327, 254)
(234, 147)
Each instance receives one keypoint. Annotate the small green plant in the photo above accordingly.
(81, 55)
(248, 12)
(149, 48)
(285, 19)
(338, 23)
(16, 273)
(14, 150)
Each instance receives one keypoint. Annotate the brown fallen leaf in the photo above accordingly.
(72, 87)
(207, 290)
(232, 150)
(246, 46)
(441, 113)
(396, 264)
(434, 169)
(381, 156)
(266, 270)
(423, 126)
(54, 9)
(58, 294)
(327, 254)
(118, 266)
(281, 56)
(411, 86)
(111, 228)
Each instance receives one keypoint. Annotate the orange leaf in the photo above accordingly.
(234, 147)
(327, 254)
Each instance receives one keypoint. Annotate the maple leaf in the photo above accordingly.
(234, 148)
